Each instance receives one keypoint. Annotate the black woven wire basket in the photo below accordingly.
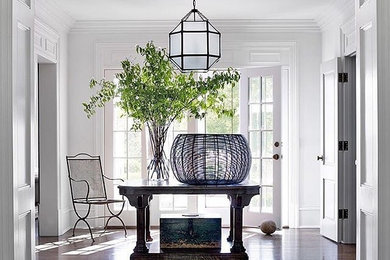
(209, 159)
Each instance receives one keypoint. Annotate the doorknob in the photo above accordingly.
(320, 158)
(276, 156)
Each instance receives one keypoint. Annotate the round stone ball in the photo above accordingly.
(268, 227)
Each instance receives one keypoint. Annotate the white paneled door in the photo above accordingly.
(367, 132)
(24, 134)
(329, 156)
(260, 89)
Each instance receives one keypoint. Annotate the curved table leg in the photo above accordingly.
(140, 202)
(238, 202)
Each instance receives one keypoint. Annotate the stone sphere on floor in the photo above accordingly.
(268, 227)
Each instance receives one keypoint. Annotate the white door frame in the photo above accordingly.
(17, 238)
(368, 132)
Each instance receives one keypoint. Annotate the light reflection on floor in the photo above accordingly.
(72, 240)
(112, 245)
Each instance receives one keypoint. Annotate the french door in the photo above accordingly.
(260, 99)
(127, 152)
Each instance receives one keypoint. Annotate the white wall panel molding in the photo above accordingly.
(349, 37)
(46, 41)
(266, 25)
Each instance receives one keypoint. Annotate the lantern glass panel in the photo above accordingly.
(212, 60)
(194, 26)
(195, 62)
(212, 28)
(195, 43)
(177, 60)
(214, 43)
(175, 48)
(177, 28)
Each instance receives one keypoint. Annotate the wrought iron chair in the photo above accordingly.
(87, 186)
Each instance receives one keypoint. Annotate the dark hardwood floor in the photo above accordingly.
(289, 244)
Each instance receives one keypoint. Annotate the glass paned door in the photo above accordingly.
(260, 89)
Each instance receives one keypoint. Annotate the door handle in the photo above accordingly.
(320, 158)
(276, 156)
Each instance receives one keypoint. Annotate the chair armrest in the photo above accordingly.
(113, 179)
(82, 181)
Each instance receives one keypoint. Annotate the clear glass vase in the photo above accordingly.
(158, 168)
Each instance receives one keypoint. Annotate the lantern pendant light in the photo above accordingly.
(194, 44)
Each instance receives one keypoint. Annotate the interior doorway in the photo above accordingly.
(46, 181)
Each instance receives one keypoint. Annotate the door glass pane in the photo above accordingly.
(255, 204)
(166, 202)
(217, 201)
(134, 144)
(120, 144)
(254, 143)
(266, 143)
(267, 89)
(267, 171)
(266, 199)
(254, 117)
(134, 169)
(254, 90)
(120, 168)
(180, 202)
(255, 171)
(119, 121)
(267, 117)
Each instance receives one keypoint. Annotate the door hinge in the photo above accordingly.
(343, 145)
(343, 77)
(343, 213)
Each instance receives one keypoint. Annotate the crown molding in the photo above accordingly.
(265, 25)
(336, 14)
(50, 13)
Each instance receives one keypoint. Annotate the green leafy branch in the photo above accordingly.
(157, 94)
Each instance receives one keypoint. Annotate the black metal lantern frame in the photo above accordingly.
(196, 30)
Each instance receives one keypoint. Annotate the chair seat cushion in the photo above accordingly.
(98, 201)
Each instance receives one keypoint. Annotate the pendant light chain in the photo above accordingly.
(194, 4)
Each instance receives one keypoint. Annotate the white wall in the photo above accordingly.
(60, 23)
(83, 40)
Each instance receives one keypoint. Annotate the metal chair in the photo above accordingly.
(87, 186)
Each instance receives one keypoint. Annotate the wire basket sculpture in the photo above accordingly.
(210, 159)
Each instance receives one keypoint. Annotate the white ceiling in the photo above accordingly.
(176, 9)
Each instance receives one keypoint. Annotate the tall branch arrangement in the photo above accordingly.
(155, 94)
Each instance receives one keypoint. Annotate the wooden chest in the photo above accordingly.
(186, 232)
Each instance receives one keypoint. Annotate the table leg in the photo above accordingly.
(140, 202)
(230, 237)
(148, 236)
(140, 246)
(238, 246)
